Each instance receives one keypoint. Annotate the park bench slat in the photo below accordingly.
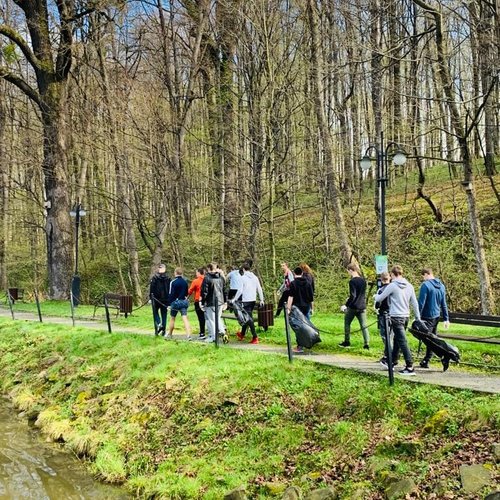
(475, 319)
(486, 340)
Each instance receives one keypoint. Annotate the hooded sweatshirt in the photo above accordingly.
(401, 294)
(302, 292)
(159, 287)
(249, 288)
(432, 299)
(212, 289)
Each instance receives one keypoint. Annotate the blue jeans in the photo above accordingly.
(157, 310)
(398, 327)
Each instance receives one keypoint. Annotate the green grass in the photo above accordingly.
(181, 420)
(330, 324)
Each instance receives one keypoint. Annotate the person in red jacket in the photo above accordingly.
(195, 290)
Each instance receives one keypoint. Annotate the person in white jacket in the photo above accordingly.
(249, 288)
(401, 294)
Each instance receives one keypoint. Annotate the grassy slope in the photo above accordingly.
(331, 325)
(414, 240)
(184, 421)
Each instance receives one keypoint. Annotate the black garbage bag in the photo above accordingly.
(241, 315)
(442, 349)
(306, 333)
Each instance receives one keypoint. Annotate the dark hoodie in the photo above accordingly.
(432, 300)
(159, 287)
(212, 287)
(302, 292)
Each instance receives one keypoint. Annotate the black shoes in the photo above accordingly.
(424, 364)
(366, 346)
(345, 344)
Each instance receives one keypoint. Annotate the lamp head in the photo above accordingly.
(399, 158)
(366, 163)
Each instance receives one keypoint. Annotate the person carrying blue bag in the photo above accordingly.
(177, 299)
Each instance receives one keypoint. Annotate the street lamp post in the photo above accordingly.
(77, 213)
(382, 164)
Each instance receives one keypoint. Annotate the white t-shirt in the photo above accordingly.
(234, 279)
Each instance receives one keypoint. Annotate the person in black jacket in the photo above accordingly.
(300, 295)
(355, 307)
(158, 293)
(383, 313)
(213, 300)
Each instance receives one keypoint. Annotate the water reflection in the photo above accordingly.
(30, 468)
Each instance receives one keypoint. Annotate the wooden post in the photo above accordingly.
(38, 306)
(108, 319)
(72, 307)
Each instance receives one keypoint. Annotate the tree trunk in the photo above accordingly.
(317, 69)
(487, 300)
(58, 226)
(123, 206)
(4, 190)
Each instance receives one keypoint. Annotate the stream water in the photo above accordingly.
(32, 469)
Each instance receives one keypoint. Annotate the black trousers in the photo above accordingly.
(432, 324)
(249, 307)
(282, 302)
(201, 317)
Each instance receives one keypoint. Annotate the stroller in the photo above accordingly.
(442, 349)
(306, 333)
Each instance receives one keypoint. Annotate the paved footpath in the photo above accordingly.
(454, 377)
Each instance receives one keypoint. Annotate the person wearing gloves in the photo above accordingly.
(432, 303)
(213, 300)
(355, 307)
(401, 294)
(249, 288)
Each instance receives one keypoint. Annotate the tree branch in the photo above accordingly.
(64, 51)
(22, 85)
(15, 37)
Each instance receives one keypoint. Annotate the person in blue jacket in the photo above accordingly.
(432, 305)
(178, 302)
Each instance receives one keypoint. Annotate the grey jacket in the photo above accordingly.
(402, 294)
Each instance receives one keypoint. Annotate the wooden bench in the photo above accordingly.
(473, 320)
(122, 303)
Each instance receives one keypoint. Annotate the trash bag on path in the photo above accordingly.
(306, 333)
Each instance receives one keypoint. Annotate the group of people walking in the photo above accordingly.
(212, 291)
(393, 300)
(210, 294)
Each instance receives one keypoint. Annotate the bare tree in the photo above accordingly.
(462, 134)
(50, 58)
